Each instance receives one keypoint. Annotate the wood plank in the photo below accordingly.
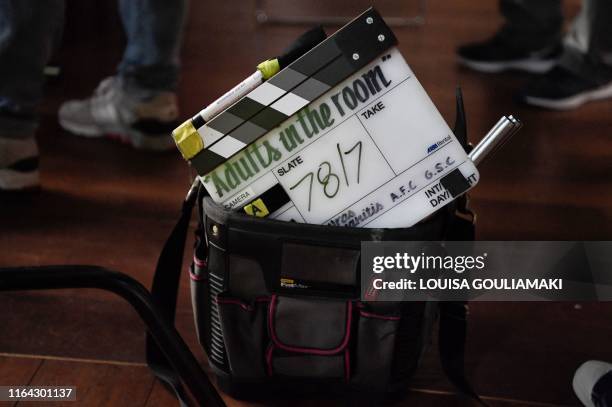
(77, 327)
(160, 396)
(529, 353)
(97, 384)
(74, 325)
(17, 371)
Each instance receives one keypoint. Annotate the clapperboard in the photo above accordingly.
(345, 135)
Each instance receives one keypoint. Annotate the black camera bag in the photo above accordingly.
(266, 336)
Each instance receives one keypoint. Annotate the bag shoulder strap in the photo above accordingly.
(164, 291)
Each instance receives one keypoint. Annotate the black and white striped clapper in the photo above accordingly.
(267, 106)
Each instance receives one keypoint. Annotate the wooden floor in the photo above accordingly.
(103, 203)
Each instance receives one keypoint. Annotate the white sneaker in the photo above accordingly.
(145, 124)
(18, 164)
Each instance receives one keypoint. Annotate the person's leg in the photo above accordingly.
(28, 31)
(529, 40)
(584, 72)
(588, 45)
(600, 43)
(531, 24)
(154, 30)
(138, 104)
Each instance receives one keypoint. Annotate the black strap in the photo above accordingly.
(451, 344)
(165, 292)
(453, 315)
(453, 323)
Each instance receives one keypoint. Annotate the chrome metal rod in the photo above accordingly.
(503, 130)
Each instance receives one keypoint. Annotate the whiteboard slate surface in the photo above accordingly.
(370, 152)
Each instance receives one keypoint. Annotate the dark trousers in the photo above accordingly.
(30, 29)
(537, 24)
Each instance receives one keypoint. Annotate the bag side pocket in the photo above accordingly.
(375, 348)
(244, 332)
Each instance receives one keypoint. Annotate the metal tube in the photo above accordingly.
(505, 128)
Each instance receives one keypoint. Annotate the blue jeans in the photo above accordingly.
(31, 29)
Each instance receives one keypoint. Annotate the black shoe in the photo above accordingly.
(561, 89)
(496, 55)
